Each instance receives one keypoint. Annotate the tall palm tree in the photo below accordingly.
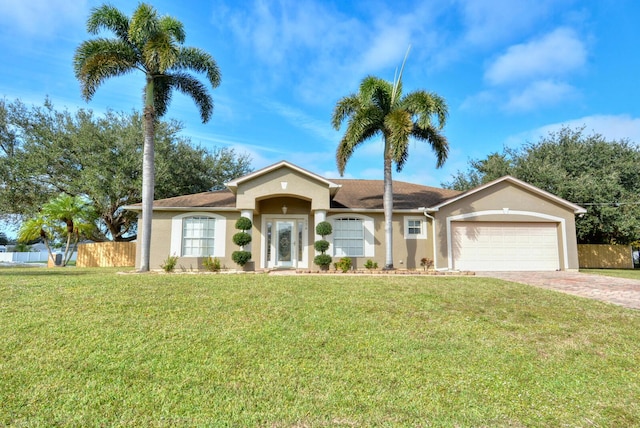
(380, 109)
(152, 44)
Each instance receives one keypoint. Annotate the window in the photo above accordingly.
(348, 239)
(198, 236)
(415, 228)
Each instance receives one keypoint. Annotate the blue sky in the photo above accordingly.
(510, 70)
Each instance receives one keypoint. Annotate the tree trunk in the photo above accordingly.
(148, 177)
(387, 203)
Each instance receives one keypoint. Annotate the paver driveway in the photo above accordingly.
(620, 291)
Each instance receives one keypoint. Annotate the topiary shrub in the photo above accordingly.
(323, 260)
(321, 245)
(241, 257)
(241, 239)
(324, 228)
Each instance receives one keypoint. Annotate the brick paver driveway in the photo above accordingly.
(620, 291)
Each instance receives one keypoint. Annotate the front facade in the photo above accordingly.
(504, 225)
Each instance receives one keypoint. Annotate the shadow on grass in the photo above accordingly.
(46, 271)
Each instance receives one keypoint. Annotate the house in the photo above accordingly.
(506, 224)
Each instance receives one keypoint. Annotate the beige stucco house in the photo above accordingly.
(503, 225)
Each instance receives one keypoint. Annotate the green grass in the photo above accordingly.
(89, 347)
(620, 273)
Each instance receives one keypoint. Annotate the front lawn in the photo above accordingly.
(620, 273)
(89, 347)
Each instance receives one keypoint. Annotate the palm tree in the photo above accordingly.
(153, 45)
(63, 218)
(380, 109)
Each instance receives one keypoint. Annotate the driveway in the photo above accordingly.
(620, 291)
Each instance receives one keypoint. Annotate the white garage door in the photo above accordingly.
(484, 246)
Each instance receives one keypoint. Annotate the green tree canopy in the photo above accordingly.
(380, 109)
(100, 159)
(602, 176)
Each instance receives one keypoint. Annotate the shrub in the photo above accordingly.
(169, 264)
(321, 245)
(324, 228)
(426, 263)
(243, 223)
(344, 264)
(212, 265)
(322, 260)
(241, 238)
(370, 264)
(241, 257)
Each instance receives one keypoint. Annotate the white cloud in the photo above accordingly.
(321, 129)
(612, 127)
(41, 17)
(489, 22)
(540, 93)
(556, 54)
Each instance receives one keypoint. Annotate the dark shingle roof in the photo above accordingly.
(354, 194)
(367, 194)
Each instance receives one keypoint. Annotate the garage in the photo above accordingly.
(505, 246)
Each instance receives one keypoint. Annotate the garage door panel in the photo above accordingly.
(505, 246)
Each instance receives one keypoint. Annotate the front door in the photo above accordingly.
(285, 245)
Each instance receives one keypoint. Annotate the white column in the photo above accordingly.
(319, 216)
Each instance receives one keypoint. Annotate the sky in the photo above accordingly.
(511, 71)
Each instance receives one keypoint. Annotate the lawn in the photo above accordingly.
(621, 273)
(89, 347)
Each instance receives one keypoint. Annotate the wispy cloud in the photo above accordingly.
(538, 94)
(299, 119)
(555, 54)
(613, 127)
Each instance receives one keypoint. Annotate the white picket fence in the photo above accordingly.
(29, 257)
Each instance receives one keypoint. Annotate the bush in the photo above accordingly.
(426, 263)
(321, 245)
(243, 223)
(344, 264)
(324, 228)
(322, 260)
(212, 265)
(370, 264)
(241, 257)
(169, 264)
(241, 238)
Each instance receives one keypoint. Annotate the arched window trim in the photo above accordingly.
(219, 234)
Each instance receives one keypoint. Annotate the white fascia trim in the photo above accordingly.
(559, 220)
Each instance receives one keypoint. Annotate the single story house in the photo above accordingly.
(506, 224)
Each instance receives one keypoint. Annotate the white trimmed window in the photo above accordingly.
(352, 236)
(415, 228)
(198, 235)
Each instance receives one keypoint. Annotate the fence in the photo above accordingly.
(28, 257)
(106, 254)
(605, 256)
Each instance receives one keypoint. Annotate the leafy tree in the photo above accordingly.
(3, 238)
(100, 158)
(153, 45)
(66, 219)
(600, 175)
(380, 109)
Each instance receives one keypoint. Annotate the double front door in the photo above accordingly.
(286, 243)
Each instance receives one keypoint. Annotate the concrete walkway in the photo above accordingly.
(620, 291)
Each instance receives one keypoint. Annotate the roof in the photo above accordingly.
(576, 208)
(351, 195)
(367, 194)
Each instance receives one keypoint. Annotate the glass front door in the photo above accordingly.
(284, 243)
